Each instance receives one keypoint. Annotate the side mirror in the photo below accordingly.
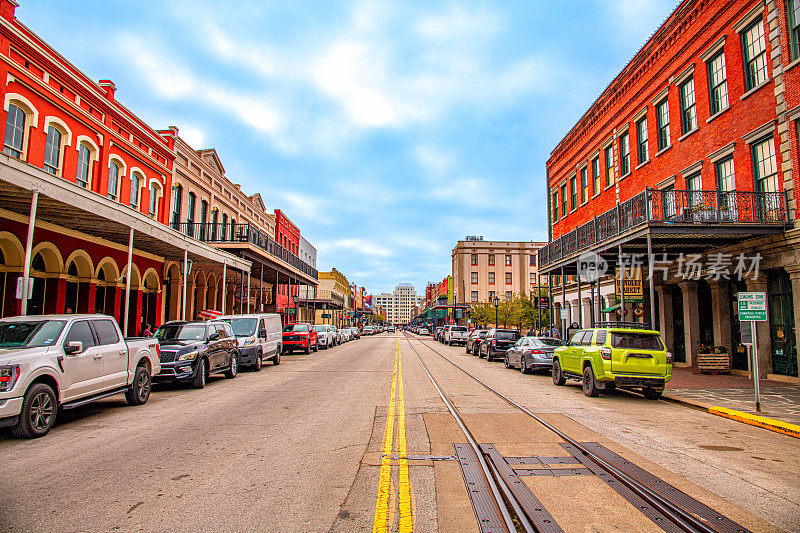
(262, 333)
(73, 347)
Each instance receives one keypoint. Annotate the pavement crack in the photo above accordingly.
(134, 506)
(343, 447)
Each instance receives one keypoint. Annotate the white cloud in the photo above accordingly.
(356, 245)
(435, 161)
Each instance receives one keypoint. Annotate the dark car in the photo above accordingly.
(497, 341)
(474, 340)
(299, 336)
(531, 353)
(191, 351)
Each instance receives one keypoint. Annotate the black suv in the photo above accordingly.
(191, 351)
(497, 341)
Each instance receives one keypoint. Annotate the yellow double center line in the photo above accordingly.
(381, 522)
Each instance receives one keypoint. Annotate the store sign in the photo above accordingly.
(326, 315)
(752, 306)
(633, 285)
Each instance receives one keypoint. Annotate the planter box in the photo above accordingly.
(714, 362)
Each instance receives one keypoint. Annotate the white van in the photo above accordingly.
(258, 338)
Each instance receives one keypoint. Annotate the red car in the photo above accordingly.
(299, 336)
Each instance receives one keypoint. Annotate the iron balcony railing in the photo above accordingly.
(241, 233)
(671, 207)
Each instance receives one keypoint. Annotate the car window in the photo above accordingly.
(296, 327)
(600, 338)
(636, 341)
(80, 332)
(106, 332)
(228, 330)
(547, 341)
(242, 327)
(458, 328)
(507, 335)
(587, 338)
(32, 334)
(576, 339)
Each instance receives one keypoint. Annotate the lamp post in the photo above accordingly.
(496, 302)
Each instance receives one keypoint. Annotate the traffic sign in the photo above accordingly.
(752, 306)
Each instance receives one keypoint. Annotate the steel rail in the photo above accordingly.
(487, 469)
(676, 514)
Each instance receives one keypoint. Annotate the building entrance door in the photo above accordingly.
(781, 323)
(739, 355)
(679, 348)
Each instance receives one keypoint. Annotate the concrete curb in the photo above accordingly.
(771, 424)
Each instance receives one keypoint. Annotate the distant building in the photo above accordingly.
(399, 305)
(308, 254)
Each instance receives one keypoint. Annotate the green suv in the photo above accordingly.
(618, 355)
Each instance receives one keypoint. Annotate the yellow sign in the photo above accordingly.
(633, 285)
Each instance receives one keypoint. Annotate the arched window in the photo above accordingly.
(233, 228)
(135, 189)
(190, 215)
(84, 166)
(224, 226)
(15, 131)
(154, 190)
(203, 219)
(113, 180)
(52, 150)
(177, 193)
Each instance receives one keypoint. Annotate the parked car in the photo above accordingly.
(454, 334)
(474, 339)
(531, 353)
(258, 338)
(53, 362)
(497, 341)
(355, 333)
(368, 330)
(423, 331)
(618, 356)
(300, 336)
(326, 337)
(437, 334)
(192, 351)
(391, 329)
(344, 334)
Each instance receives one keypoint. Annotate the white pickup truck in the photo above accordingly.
(455, 335)
(63, 361)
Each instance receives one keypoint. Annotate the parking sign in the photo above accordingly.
(752, 306)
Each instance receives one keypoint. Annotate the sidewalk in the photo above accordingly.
(779, 401)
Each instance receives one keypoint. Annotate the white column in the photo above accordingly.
(224, 285)
(128, 284)
(26, 268)
(185, 276)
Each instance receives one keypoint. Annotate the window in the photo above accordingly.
(765, 168)
(717, 83)
(508, 260)
(533, 278)
(694, 186)
(113, 180)
(153, 199)
(596, 174)
(203, 219)
(491, 295)
(214, 214)
(474, 279)
(491, 278)
(491, 260)
(688, 108)
(135, 186)
(532, 260)
(609, 166)
(555, 206)
(80, 332)
(662, 120)
(755, 55)
(793, 20)
(508, 278)
(563, 200)
(725, 177)
(106, 332)
(641, 139)
(584, 184)
(473, 259)
(177, 193)
(573, 189)
(474, 295)
(509, 295)
(190, 209)
(84, 162)
(624, 154)
(52, 150)
(15, 131)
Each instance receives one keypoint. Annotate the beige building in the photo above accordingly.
(332, 299)
(483, 269)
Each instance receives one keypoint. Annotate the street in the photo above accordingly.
(302, 447)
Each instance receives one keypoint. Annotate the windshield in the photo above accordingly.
(458, 328)
(33, 334)
(636, 341)
(320, 328)
(482, 334)
(546, 341)
(507, 335)
(296, 327)
(243, 327)
(181, 332)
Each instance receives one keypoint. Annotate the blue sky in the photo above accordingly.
(386, 130)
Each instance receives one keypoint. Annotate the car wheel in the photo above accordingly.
(139, 391)
(489, 355)
(523, 365)
(316, 347)
(199, 379)
(558, 377)
(651, 394)
(308, 349)
(507, 362)
(234, 368)
(466, 348)
(590, 387)
(277, 359)
(258, 363)
(38, 414)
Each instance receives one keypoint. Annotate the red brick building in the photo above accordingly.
(690, 150)
(288, 236)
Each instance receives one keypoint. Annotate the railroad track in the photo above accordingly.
(503, 502)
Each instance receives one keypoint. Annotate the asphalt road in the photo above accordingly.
(298, 447)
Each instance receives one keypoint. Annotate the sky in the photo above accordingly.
(386, 130)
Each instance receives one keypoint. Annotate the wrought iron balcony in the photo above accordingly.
(243, 233)
(669, 207)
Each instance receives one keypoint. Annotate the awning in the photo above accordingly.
(610, 309)
(63, 203)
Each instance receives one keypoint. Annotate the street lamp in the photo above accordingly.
(496, 302)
